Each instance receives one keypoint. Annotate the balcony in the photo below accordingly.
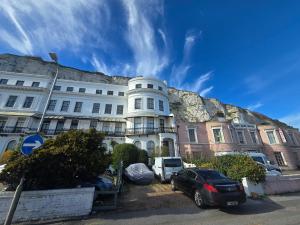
(149, 130)
(14, 130)
(51, 132)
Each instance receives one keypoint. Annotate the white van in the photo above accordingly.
(164, 167)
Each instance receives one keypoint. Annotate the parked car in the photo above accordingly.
(208, 187)
(139, 173)
(269, 171)
(164, 167)
(100, 183)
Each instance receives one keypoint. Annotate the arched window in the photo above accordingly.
(150, 147)
(138, 144)
(11, 145)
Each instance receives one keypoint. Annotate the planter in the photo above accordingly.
(48, 204)
(252, 189)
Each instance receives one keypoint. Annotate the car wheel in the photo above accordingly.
(199, 200)
(173, 187)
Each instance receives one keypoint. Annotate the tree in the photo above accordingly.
(64, 162)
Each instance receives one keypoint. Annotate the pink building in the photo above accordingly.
(281, 145)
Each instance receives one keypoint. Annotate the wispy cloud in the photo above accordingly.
(150, 57)
(254, 106)
(206, 91)
(41, 26)
(292, 120)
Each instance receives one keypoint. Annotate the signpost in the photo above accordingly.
(29, 144)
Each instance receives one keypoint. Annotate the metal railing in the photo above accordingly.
(13, 130)
(149, 130)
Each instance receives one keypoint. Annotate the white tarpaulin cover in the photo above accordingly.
(139, 173)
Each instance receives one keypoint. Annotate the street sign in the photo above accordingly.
(31, 143)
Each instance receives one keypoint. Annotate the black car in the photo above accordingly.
(208, 187)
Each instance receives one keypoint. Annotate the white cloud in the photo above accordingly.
(292, 120)
(99, 65)
(43, 26)
(254, 106)
(150, 58)
(205, 91)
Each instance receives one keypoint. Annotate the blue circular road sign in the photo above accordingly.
(31, 143)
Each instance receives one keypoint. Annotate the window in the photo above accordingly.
(150, 147)
(52, 104)
(78, 106)
(110, 93)
(106, 126)
(138, 86)
(57, 88)
(138, 144)
(82, 90)
(271, 137)
(99, 92)
(161, 125)
(218, 135)
(161, 105)
(19, 124)
(93, 124)
(3, 121)
(11, 145)
(65, 106)
(74, 124)
(121, 93)
(59, 126)
(150, 125)
(70, 89)
(138, 103)
(19, 83)
(11, 101)
(150, 103)
(241, 137)
(3, 81)
(120, 109)
(149, 85)
(118, 128)
(192, 134)
(45, 126)
(253, 137)
(279, 158)
(160, 88)
(137, 124)
(35, 84)
(28, 102)
(108, 108)
(96, 108)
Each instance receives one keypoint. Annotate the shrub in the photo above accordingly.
(6, 156)
(129, 154)
(142, 156)
(234, 166)
(64, 162)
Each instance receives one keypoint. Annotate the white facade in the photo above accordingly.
(134, 113)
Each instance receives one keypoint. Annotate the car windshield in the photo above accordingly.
(258, 159)
(211, 175)
(172, 162)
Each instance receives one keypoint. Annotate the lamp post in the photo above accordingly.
(53, 56)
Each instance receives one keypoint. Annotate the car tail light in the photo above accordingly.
(209, 187)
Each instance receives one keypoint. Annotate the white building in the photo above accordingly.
(128, 110)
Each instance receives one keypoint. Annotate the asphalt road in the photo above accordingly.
(275, 210)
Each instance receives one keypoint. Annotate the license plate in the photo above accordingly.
(232, 203)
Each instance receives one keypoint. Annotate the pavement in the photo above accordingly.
(156, 204)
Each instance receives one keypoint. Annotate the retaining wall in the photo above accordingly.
(48, 204)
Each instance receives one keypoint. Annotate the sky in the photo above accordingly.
(245, 53)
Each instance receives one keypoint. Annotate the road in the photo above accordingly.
(275, 210)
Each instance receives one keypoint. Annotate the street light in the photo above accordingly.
(53, 56)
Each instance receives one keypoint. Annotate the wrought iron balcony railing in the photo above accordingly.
(149, 130)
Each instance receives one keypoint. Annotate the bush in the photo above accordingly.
(142, 156)
(129, 154)
(6, 156)
(234, 166)
(64, 162)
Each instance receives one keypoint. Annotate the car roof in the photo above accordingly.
(196, 169)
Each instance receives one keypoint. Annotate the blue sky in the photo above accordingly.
(245, 53)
